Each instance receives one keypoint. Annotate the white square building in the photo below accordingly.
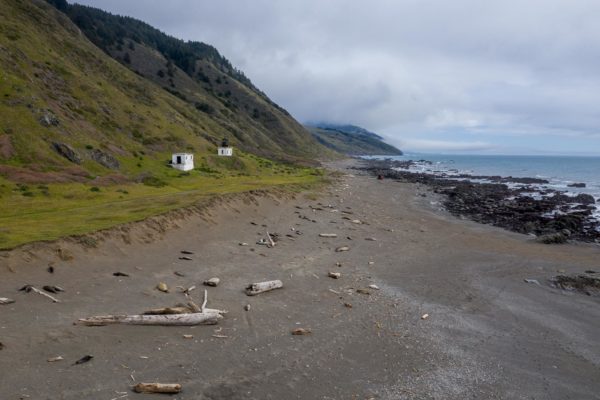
(224, 149)
(183, 161)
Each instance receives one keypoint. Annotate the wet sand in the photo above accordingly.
(489, 335)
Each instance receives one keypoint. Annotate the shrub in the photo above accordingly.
(94, 189)
(153, 181)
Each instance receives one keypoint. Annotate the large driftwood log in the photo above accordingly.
(4, 300)
(260, 287)
(328, 235)
(157, 388)
(204, 318)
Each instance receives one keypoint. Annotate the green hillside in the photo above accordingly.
(351, 140)
(196, 73)
(79, 131)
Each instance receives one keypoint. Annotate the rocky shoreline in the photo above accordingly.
(511, 203)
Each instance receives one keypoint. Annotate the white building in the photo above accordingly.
(183, 161)
(225, 149)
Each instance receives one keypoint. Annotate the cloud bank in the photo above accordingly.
(464, 75)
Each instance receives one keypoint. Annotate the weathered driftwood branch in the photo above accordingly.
(271, 242)
(204, 318)
(157, 388)
(29, 288)
(180, 315)
(260, 287)
(4, 300)
(328, 235)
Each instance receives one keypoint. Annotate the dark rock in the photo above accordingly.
(582, 283)
(576, 185)
(583, 198)
(548, 217)
(67, 152)
(552, 238)
(104, 159)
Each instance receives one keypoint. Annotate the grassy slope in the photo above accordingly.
(252, 121)
(352, 143)
(46, 64)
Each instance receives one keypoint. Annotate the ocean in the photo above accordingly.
(560, 171)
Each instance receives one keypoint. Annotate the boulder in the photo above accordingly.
(48, 119)
(104, 159)
(67, 152)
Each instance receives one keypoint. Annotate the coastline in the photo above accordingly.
(519, 204)
(489, 334)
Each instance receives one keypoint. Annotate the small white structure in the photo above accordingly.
(183, 161)
(225, 149)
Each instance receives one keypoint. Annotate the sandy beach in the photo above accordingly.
(488, 334)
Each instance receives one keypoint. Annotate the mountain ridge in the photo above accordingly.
(351, 139)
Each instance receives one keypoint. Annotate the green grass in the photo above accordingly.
(61, 210)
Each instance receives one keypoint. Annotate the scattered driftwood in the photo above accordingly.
(179, 273)
(55, 359)
(342, 248)
(260, 287)
(185, 258)
(205, 318)
(424, 316)
(186, 252)
(371, 239)
(372, 286)
(301, 332)
(29, 288)
(168, 388)
(212, 282)
(363, 291)
(328, 235)
(162, 287)
(4, 300)
(180, 315)
(334, 275)
(271, 242)
(120, 274)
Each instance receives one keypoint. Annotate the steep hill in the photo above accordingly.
(351, 140)
(196, 73)
(85, 141)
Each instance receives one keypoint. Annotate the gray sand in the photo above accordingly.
(489, 335)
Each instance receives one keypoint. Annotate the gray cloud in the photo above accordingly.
(432, 75)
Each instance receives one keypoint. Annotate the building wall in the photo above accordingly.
(225, 151)
(186, 164)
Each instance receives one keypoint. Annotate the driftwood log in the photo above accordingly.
(328, 235)
(180, 315)
(203, 318)
(4, 300)
(171, 388)
(260, 287)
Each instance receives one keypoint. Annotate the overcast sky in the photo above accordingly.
(497, 76)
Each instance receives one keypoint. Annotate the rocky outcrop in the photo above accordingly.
(104, 159)
(527, 209)
(48, 119)
(67, 152)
